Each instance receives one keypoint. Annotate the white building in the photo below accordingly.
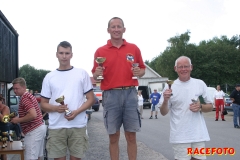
(152, 79)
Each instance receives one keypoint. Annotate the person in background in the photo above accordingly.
(219, 102)
(154, 99)
(120, 102)
(140, 103)
(66, 132)
(4, 127)
(187, 125)
(30, 119)
(235, 97)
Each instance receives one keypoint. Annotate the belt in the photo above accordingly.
(128, 87)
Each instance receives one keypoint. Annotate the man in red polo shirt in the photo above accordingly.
(120, 101)
(30, 119)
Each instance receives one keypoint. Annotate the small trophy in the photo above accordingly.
(4, 139)
(7, 118)
(135, 65)
(10, 136)
(170, 82)
(100, 61)
(61, 101)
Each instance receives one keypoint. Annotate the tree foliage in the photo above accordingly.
(33, 77)
(215, 61)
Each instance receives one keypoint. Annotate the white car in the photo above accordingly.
(98, 92)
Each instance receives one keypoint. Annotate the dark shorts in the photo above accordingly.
(121, 107)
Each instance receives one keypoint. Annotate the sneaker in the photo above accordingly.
(150, 117)
(223, 120)
(216, 119)
(156, 117)
(236, 126)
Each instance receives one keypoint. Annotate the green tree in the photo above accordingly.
(33, 77)
(215, 61)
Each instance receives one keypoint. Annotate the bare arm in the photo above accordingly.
(196, 107)
(31, 114)
(5, 111)
(90, 101)
(164, 107)
(46, 107)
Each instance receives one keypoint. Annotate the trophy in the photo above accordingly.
(135, 65)
(100, 61)
(61, 101)
(4, 139)
(10, 136)
(170, 82)
(7, 118)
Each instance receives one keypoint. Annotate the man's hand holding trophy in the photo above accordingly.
(61, 101)
(170, 82)
(99, 61)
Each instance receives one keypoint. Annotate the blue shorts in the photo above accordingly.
(121, 107)
(154, 107)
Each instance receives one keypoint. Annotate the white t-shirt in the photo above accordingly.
(73, 84)
(187, 126)
(140, 100)
(219, 94)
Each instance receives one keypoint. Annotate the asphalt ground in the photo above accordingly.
(99, 145)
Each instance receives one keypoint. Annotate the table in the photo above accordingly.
(14, 147)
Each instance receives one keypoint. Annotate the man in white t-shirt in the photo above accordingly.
(188, 130)
(67, 131)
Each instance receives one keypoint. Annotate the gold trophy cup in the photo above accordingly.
(4, 139)
(7, 118)
(61, 101)
(10, 136)
(100, 61)
(170, 82)
(135, 65)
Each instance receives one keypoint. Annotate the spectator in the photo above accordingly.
(4, 127)
(30, 119)
(187, 124)
(154, 99)
(235, 97)
(219, 102)
(119, 96)
(67, 131)
(140, 103)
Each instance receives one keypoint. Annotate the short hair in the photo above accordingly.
(64, 44)
(114, 18)
(181, 58)
(21, 81)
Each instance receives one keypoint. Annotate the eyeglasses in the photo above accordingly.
(185, 67)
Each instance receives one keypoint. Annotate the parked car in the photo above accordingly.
(98, 92)
(228, 102)
(96, 105)
(14, 103)
(146, 96)
(38, 97)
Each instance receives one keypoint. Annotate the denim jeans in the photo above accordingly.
(236, 112)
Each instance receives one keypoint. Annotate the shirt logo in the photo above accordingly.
(130, 57)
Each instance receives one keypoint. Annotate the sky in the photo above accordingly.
(43, 24)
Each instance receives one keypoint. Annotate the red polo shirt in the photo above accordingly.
(118, 64)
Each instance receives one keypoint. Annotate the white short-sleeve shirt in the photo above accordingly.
(187, 126)
(72, 84)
